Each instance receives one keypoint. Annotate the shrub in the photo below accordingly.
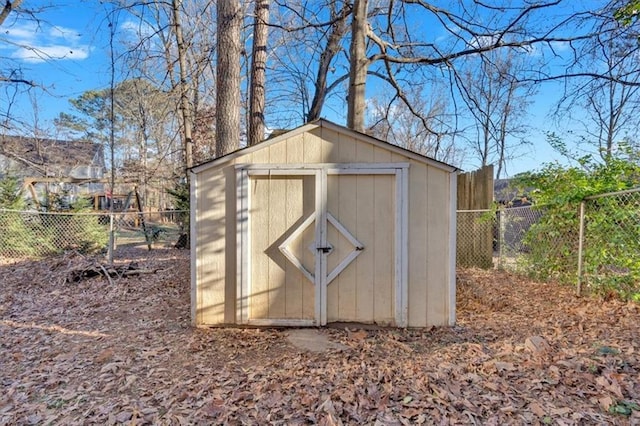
(553, 241)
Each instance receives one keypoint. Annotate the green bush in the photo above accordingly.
(19, 234)
(78, 230)
(612, 230)
(26, 234)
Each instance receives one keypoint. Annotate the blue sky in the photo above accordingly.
(63, 53)
(69, 56)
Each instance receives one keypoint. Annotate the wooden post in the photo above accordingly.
(475, 194)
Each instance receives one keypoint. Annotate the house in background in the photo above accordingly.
(71, 169)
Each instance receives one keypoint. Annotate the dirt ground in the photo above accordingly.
(94, 352)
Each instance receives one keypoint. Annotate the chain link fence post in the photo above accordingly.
(580, 248)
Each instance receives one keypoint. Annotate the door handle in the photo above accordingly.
(324, 249)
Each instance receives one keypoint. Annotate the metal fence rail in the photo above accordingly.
(609, 250)
(32, 234)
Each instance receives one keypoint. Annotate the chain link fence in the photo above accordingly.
(29, 234)
(475, 238)
(496, 238)
(609, 253)
(597, 246)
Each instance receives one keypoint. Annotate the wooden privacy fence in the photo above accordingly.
(474, 234)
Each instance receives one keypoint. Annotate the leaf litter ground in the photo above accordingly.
(91, 352)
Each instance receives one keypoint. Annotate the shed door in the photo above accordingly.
(321, 245)
(365, 206)
(282, 212)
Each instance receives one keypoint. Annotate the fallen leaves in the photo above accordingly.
(522, 353)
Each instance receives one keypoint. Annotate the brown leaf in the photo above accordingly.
(213, 407)
(605, 402)
(537, 344)
(123, 416)
(561, 411)
(537, 409)
(104, 356)
(359, 335)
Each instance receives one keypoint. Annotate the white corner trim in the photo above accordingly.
(242, 246)
(194, 254)
(401, 247)
(453, 204)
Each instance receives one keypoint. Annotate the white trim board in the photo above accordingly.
(453, 204)
(193, 235)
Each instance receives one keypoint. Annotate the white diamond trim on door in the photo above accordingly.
(284, 247)
(286, 251)
(357, 248)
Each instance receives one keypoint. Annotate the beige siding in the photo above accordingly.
(210, 247)
(438, 232)
(419, 263)
(230, 250)
(383, 242)
(429, 193)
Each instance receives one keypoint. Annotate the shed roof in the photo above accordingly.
(322, 123)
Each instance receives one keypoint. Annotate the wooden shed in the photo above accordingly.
(323, 224)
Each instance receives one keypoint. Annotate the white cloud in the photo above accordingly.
(62, 32)
(21, 34)
(32, 43)
(136, 30)
(51, 52)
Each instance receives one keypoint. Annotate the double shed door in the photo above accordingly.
(322, 244)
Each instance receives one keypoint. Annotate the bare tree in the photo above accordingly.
(337, 30)
(385, 43)
(393, 122)
(359, 64)
(258, 72)
(606, 110)
(496, 101)
(171, 44)
(228, 97)
(185, 107)
(305, 68)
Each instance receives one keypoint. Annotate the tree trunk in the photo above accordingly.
(8, 7)
(338, 31)
(184, 88)
(228, 77)
(357, 67)
(258, 69)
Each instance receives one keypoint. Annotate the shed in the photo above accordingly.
(323, 224)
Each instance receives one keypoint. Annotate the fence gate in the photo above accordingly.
(320, 244)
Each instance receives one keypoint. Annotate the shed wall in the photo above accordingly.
(429, 275)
